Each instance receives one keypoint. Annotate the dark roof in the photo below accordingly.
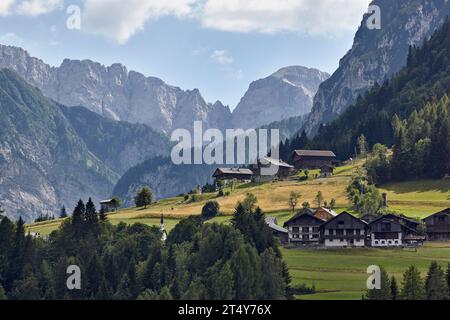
(315, 153)
(386, 218)
(301, 213)
(234, 171)
(446, 211)
(342, 214)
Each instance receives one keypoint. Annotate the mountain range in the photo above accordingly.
(119, 94)
(51, 155)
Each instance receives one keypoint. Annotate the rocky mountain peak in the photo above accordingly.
(289, 92)
(376, 55)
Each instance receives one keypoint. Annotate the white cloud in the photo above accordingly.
(5, 7)
(118, 21)
(222, 57)
(273, 16)
(11, 39)
(38, 7)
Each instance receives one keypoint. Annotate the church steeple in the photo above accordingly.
(162, 228)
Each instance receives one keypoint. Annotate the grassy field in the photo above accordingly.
(415, 199)
(341, 274)
(419, 198)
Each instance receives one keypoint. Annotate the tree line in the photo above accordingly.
(197, 261)
(421, 150)
(391, 113)
(435, 286)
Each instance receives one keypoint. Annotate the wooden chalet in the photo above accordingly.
(344, 230)
(304, 228)
(438, 226)
(313, 159)
(108, 205)
(281, 169)
(391, 231)
(279, 232)
(325, 214)
(228, 174)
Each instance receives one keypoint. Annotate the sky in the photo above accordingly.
(217, 46)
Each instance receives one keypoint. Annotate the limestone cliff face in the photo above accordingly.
(287, 93)
(376, 55)
(114, 92)
(44, 164)
(52, 155)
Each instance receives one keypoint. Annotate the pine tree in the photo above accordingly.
(79, 216)
(102, 215)
(435, 283)
(91, 213)
(412, 285)
(384, 293)
(448, 277)
(63, 213)
(394, 288)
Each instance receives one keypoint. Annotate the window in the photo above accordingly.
(305, 230)
(295, 229)
(315, 229)
(358, 232)
(376, 241)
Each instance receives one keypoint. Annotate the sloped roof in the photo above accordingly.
(334, 214)
(386, 218)
(235, 171)
(315, 153)
(272, 223)
(301, 213)
(275, 162)
(446, 211)
(342, 214)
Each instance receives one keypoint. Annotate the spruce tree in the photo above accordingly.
(79, 215)
(63, 213)
(102, 215)
(91, 213)
(448, 277)
(435, 283)
(412, 285)
(394, 288)
(384, 293)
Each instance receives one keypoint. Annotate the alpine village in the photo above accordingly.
(364, 185)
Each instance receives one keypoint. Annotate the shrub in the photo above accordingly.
(210, 210)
